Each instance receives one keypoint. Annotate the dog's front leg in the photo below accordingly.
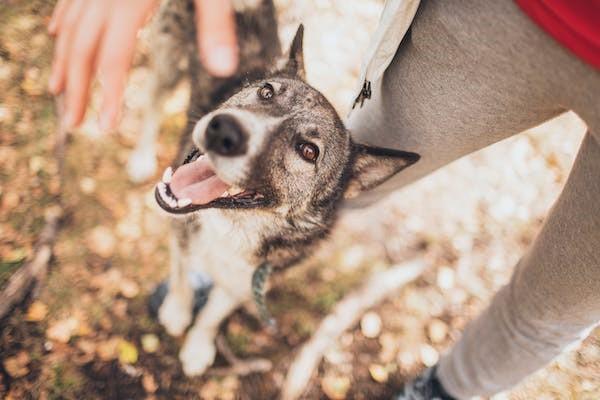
(175, 313)
(198, 351)
(168, 47)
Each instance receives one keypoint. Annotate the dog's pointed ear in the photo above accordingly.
(294, 64)
(375, 165)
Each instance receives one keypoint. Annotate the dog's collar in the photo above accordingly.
(259, 278)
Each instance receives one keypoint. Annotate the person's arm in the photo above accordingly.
(98, 37)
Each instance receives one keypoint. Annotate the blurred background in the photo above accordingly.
(87, 333)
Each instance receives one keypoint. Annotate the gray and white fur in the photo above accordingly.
(292, 153)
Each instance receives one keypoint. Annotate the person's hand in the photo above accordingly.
(99, 36)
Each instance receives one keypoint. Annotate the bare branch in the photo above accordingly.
(34, 271)
(346, 313)
(21, 281)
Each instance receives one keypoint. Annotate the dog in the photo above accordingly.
(265, 172)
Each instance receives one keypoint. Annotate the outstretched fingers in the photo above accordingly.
(217, 40)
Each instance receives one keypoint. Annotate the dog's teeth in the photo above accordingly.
(162, 190)
(183, 202)
(225, 194)
(167, 175)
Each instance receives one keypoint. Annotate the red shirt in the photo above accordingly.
(573, 23)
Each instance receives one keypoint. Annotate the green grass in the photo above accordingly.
(65, 382)
(7, 268)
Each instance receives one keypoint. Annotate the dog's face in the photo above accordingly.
(278, 145)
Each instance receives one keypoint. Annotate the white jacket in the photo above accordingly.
(396, 17)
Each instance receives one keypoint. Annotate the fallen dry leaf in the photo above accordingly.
(224, 389)
(16, 366)
(129, 288)
(107, 349)
(429, 355)
(150, 343)
(335, 387)
(119, 308)
(37, 311)
(149, 383)
(407, 360)
(36, 164)
(87, 185)
(87, 346)
(84, 329)
(62, 330)
(210, 390)
(337, 357)
(370, 325)
(32, 84)
(101, 241)
(108, 282)
(16, 254)
(379, 373)
(128, 353)
(437, 330)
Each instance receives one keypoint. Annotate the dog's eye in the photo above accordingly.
(308, 151)
(266, 91)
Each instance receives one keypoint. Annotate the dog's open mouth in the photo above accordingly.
(195, 186)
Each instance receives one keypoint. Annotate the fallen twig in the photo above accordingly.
(29, 276)
(237, 366)
(20, 283)
(346, 313)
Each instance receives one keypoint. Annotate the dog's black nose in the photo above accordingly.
(225, 136)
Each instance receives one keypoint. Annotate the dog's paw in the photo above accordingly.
(198, 353)
(141, 165)
(174, 315)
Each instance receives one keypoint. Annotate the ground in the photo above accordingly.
(87, 333)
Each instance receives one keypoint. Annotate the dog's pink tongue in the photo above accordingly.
(197, 181)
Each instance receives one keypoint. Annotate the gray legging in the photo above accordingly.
(468, 74)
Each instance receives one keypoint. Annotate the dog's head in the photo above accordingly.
(277, 145)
